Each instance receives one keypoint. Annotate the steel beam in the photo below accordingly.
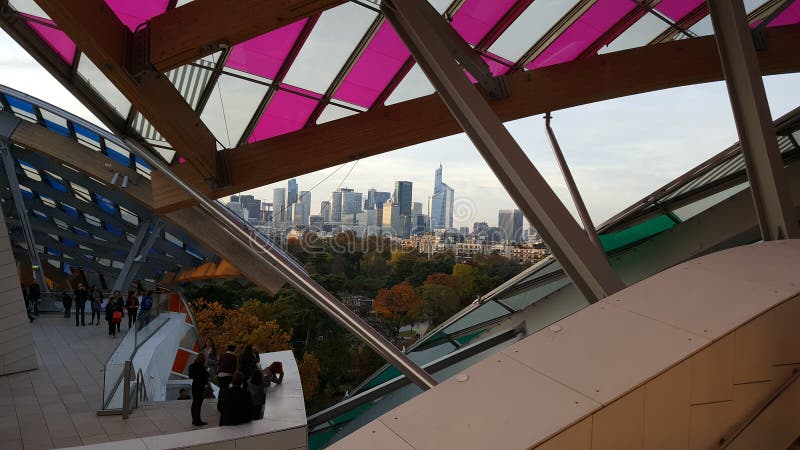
(584, 262)
(19, 203)
(263, 252)
(135, 259)
(588, 225)
(751, 113)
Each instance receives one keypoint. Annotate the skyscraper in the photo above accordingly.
(402, 196)
(304, 200)
(351, 202)
(291, 192)
(279, 205)
(510, 221)
(375, 199)
(391, 218)
(325, 211)
(441, 203)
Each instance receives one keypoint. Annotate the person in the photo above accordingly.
(247, 363)
(34, 294)
(144, 308)
(96, 299)
(27, 305)
(258, 394)
(132, 304)
(66, 301)
(183, 395)
(234, 405)
(119, 306)
(80, 305)
(274, 373)
(212, 358)
(113, 316)
(199, 375)
(227, 367)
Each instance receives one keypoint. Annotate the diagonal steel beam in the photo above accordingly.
(584, 262)
(751, 113)
(134, 256)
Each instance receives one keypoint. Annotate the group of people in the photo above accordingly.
(137, 304)
(242, 383)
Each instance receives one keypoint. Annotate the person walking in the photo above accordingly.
(212, 358)
(145, 307)
(119, 306)
(199, 375)
(66, 301)
(96, 299)
(34, 294)
(258, 394)
(234, 405)
(227, 367)
(80, 305)
(111, 308)
(27, 305)
(132, 304)
(247, 363)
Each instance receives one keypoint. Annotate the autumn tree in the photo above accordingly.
(270, 337)
(309, 375)
(440, 298)
(400, 304)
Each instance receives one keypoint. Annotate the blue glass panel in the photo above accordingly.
(82, 232)
(112, 229)
(56, 184)
(194, 252)
(69, 242)
(143, 163)
(67, 268)
(64, 131)
(86, 136)
(40, 216)
(20, 104)
(53, 251)
(26, 193)
(105, 204)
(26, 164)
(118, 157)
(69, 210)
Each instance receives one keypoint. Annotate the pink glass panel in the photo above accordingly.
(374, 69)
(678, 9)
(495, 66)
(476, 17)
(264, 55)
(55, 38)
(135, 12)
(789, 16)
(590, 26)
(286, 112)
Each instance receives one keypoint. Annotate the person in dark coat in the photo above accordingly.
(81, 296)
(132, 305)
(34, 294)
(247, 363)
(258, 394)
(234, 405)
(199, 375)
(111, 307)
(66, 301)
(227, 367)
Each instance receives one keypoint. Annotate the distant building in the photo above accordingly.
(279, 205)
(375, 199)
(337, 198)
(440, 205)
(291, 192)
(510, 221)
(316, 222)
(304, 200)
(416, 208)
(464, 231)
(351, 202)
(391, 218)
(480, 228)
(325, 210)
(402, 196)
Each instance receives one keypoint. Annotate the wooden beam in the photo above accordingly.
(602, 77)
(97, 31)
(183, 35)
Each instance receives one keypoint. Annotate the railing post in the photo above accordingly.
(126, 389)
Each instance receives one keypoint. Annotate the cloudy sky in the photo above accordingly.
(619, 150)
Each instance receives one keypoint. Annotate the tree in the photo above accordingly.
(269, 337)
(440, 298)
(400, 304)
(309, 375)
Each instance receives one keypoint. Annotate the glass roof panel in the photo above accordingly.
(191, 79)
(230, 108)
(87, 137)
(789, 16)
(135, 12)
(581, 34)
(440, 5)
(98, 81)
(702, 28)
(265, 54)
(55, 122)
(55, 38)
(677, 9)
(414, 85)
(487, 311)
(118, 153)
(333, 112)
(28, 7)
(695, 208)
(287, 111)
(21, 108)
(476, 17)
(375, 68)
(635, 233)
(529, 27)
(639, 34)
(328, 46)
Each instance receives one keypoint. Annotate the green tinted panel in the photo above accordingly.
(636, 233)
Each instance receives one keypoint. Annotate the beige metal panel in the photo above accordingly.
(703, 294)
(709, 423)
(776, 427)
(16, 345)
(620, 424)
(495, 407)
(788, 332)
(374, 435)
(666, 412)
(755, 348)
(596, 342)
(576, 437)
(712, 372)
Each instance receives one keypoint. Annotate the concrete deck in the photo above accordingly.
(56, 405)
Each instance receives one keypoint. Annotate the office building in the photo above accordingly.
(402, 196)
(510, 221)
(279, 213)
(325, 210)
(441, 203)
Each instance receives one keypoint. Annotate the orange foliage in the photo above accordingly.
(400, 303)
(309, 374)
(441, 278)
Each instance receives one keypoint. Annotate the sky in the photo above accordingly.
(619, 151)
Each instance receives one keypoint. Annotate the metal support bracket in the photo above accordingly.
(139, 51)
(584, 262)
